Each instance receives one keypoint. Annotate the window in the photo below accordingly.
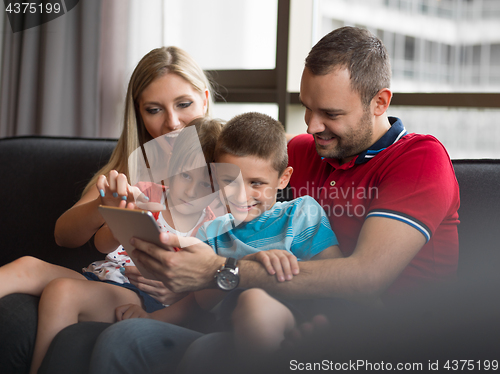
(446, 64)
(224, 34)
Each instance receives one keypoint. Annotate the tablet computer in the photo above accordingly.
(126, 224)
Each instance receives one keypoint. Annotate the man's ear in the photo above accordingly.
(381, 101)
(285, 177)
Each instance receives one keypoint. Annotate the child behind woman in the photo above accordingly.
(66, 295)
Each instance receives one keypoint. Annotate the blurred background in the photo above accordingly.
(68, 77)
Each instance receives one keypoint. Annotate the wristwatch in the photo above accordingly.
(227, 277)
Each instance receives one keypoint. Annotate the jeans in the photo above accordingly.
(141, 346)
(212, 353)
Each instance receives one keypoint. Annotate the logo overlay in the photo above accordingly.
(26, 15)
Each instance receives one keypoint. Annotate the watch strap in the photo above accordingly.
(230, 263)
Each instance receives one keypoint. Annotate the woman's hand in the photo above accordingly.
(155, 289)
(277, 261)
(129, 311)
(114, 190)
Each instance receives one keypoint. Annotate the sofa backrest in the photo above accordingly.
(479, 214)
(41, 177)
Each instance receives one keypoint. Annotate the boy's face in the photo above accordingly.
(254, 192)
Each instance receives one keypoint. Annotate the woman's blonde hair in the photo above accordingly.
(154, 65)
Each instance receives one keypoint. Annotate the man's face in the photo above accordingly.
(342, 127)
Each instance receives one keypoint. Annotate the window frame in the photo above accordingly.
(270, 85)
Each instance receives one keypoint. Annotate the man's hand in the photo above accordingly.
(155, 289)
(130, 311)
(190, 269)
(277, 261)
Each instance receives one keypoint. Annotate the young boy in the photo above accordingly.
(255, 145)
(251, 165)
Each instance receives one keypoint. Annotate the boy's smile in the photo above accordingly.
(249, 184)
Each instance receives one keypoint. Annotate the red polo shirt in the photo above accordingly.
(407, 177)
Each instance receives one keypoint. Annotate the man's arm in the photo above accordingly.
(385, 247)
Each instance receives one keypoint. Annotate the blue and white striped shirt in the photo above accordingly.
(300, 227)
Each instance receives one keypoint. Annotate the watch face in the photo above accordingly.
(227, 280)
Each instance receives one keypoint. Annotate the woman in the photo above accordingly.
(166, 91)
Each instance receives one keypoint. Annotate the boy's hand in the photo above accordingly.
(277, 261)
(129, 311)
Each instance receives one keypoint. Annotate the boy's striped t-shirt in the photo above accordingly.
(300, 227)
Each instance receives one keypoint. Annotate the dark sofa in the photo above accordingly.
(44, 176)
(41, 177)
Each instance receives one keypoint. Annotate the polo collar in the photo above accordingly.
(396, 132)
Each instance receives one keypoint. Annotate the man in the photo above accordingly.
(392, 200)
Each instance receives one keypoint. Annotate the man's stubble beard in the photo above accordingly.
(352, 143)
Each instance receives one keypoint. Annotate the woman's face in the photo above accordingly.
(169, 103)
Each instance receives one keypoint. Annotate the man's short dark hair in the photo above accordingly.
(360, 52)
(254, 134)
